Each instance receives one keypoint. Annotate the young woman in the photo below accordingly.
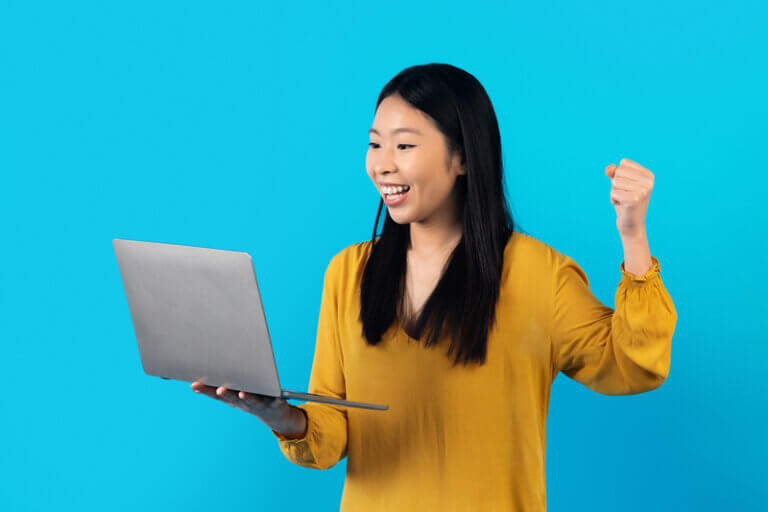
(459, 323)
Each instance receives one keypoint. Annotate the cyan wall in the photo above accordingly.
(214, 124)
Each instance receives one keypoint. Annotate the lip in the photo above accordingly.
(395, 202)
(385, 184)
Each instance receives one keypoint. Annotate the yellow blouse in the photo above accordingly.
(472, 437)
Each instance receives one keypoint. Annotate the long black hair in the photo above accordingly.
(465, 296)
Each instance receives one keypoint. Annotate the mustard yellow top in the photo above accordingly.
(472, 437)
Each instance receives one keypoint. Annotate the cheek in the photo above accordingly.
(368, 164)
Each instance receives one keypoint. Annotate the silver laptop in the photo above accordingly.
(198, 316)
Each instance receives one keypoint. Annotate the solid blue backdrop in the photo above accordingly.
(243, 126)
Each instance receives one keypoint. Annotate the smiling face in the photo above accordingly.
(407, 148)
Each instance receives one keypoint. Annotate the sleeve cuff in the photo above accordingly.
(649, 274)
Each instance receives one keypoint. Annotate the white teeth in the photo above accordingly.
(395, 190)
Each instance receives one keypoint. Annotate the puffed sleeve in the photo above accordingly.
(614, 352)
(325, 441)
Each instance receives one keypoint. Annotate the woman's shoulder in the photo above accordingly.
(354, 253)
(350, 259)
(525, 245)
(525, 251)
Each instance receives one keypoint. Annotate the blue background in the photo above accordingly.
(242, 126)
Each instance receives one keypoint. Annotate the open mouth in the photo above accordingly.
(395, 195)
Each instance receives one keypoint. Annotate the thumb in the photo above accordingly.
(610, 171)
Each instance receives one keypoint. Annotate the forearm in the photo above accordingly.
(637, 254)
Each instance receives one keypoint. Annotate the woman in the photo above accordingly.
(457, 322)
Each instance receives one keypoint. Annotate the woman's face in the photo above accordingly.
(406, 148)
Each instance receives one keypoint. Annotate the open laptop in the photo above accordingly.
(198, 316)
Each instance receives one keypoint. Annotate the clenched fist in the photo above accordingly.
(631, 186)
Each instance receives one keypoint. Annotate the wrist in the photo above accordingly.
(295, 426)
(636, 236)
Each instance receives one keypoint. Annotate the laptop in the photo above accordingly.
(198, 316)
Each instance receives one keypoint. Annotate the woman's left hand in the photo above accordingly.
(631, 186)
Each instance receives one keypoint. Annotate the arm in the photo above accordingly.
(637, 254)
(324, 440)
(614, 352)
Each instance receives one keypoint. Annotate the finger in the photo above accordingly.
(635, 174)
(624, 183)
(244, 395)
(255, 399)
(626, 162)
(249, 398)
(199, 387)
(226, 394)
(625, 197)
(207, 391)
(221, 393)
(632, 181)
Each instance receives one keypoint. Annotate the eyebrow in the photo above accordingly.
(398, 130)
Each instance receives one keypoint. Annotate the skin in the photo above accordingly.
(276, 413)
(424, 162)
(631, 186)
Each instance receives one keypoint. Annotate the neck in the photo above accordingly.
(439, 233)
(434, 237)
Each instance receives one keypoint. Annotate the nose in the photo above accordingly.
(383, 172)
(384, 162)
(383, 169)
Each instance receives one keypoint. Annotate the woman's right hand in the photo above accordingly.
(275, 412)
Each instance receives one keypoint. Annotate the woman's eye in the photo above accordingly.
(374, 145)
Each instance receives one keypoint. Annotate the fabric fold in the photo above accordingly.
(614, 352)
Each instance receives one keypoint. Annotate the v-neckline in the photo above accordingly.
(401, 328)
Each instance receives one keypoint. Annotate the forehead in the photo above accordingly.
(394, 112)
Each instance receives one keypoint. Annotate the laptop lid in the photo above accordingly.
(198, 316)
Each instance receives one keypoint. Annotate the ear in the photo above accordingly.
(462, 167)
(458, 161)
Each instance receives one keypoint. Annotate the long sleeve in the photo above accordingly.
(325, 441)
(621, 352)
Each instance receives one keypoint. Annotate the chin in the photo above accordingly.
(400, 219)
